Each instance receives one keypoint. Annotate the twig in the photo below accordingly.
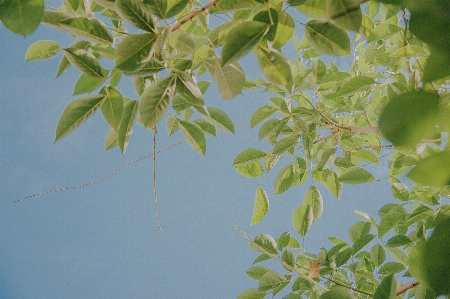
(195, 13)
(407, 287)
(155, 197)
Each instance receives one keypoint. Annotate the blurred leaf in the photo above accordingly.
(337, 293)
(275, 67)
(433, 171)
(387, 288)
(346, 14)
(327, 38)
(22, 16)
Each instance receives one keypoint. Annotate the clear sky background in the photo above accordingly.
(101, 241)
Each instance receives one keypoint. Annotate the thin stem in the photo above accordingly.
(407, 287)
(349, 287)
(195, 13)
(155, 196)
(87, 8)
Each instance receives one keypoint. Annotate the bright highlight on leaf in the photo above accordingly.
(261, 206)
(41, 50)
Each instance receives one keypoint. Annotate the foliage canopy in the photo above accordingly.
(322, 122)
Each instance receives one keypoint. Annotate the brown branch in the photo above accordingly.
(195, 13)
(407, 287)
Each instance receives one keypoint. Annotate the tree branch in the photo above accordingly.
(407, 287)
(194, 13)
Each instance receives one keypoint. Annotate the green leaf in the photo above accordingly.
(285, 144)
(249, 156)
(252, 170)
(22, 16)
(85, 62)
(174, 7)
(275, 67)
(112, 107)
(251, 293)
(356, 175)
(194, 136)
(378, 255)
(327, 38)
(386, 289)
(155, 100)
(261, 206)
(346, 14)
(390, 219)
(86, 84)
(358, 230)
(189, 90)
(64, 64)
(383, 31)
(206, 126)
(42, 50)
(361, 242)
(264, 243)
(52, 18)
(232, 5)
(302, 219)
(391, 268)
(410, 117)
(90, 29)
(343, 256)
(271, 280)
(158, 7)
(433, 171)
(284, 179)
(136, 13)
(230, 78)
(313, 8)
(241, 39)
(313, 198)
(355, 85)
(110, 140)
(261, 114)
(288, 260)
(337, 293)
(153, 66)
(437, 66)
(285, 29)
(76, 113)
(134, 51)
(399, 240)
(221, 119)
(129, 114)
(256, 272)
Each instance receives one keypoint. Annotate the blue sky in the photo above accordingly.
(102, 241)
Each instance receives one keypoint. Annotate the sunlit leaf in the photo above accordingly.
(129, 114)
(261, 114)
(390, 219)
(356, 175)
(285, 144)
(313, 198)
(383, 31)
(194, 136)
(256, 272)
(85, 62)
(337, 293)
(264, 243)
(261, 206)
(386, 289)
(271, 280)
(42, 50)
(22, 16)
(112, 107)
(378, 255)
(285, 29)
(434, 170)
(346, 14)
(249, 156)
(327, 38)
(158, 7)
(86, 84)
(110, 140)
(76, 113)
(284, 179)
(90, 29)
(302, 219)
(136, 13)
(355, 85)
(251, 170)
(275, 67)
(134, 52)
(251, 294)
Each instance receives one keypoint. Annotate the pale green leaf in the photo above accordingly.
(136, 13)
(230, 78)
(383, 31)
(337, 292)
(76, 113)
(129, 114)
(288, 260)
(110, 140)
(264, 243)
(158, 7)
(241, 39)
(271, 280)
(433, 171)
(194, 136)
(285, 29)
(42, 50)
(391, 268)
(313, 198)
(174, 7)
(313, 8)
(256, 272)
(86, 84)
(285, 144)
(112, 107)
(327, 38)
(355, 85)
(386, 289)
(134, 51)
(261, 206)
(356, 175)
(275, 67)
(22, 16)
(378, 255)
(302, 219)
(91, 29)
(346, 14)
(189, 90)
(361, 242)
(390, 219)
(221, 119)
(284, 179)
(249, 156)
(85, 62)
(52, 18)
(155, 100)
(251, 293)
(252, 170)
(261, 114)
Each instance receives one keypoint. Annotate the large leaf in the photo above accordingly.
(410, 117)
(261, 206)
(134, 51)
(174, 7)
(85, 62)
(155, 100)
(90, 29)
(313, 198)
(356, 175)
(22, 16)
(249, 156)
(346, 14)
(42, 50)
(390, 219)
(76, 113)
(264, 243)
(302, 219)
(158, 7)
(285, 29)
(112, 107)
(221, 119)
(275, 67)
(230, 79)
(434, 170)
(285, 144)
(136, 13)
(251, 170)
(189, 89)
(194, 136)
(241, 39)
(387, 288)
(327, 38)
(126, 126)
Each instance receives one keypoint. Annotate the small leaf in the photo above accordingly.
(313, 198)
(285, 144)
(284, 179)
(90, 29)
(261, 114)
(355, 85)
(356, 175)
(386, 289)
(327, 38)
(271, 280)
(275, 67)
(264, 243)
(302, 219)
(22, 17)
(86, 84)
(256, 272)
(42, 50)
(194, 136)
(112, 107)
(221, 119)
(85, 62)
(155, 100)
(134, 51)
(126, 126)
(110, 140)
(249, 156)
(399, 240)
(241, 39)
(378, 255)
(189, 90)
(337, 292)
(251, 294)
(261, 206)
(76, 113)
(391, 268)
(136, 13)
(288, 260)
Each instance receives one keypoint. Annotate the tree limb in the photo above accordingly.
(407, 287)
(195, 13)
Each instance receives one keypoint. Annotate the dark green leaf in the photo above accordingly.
(264, 243)
(90, 29)
(85, 62)
(136, 13)
(158, 7)
(327, 38)
(399, 240)
(134, 52)
(22, 16)
(126, 126)
(194, 136)
(346, 14)
(391, 268)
